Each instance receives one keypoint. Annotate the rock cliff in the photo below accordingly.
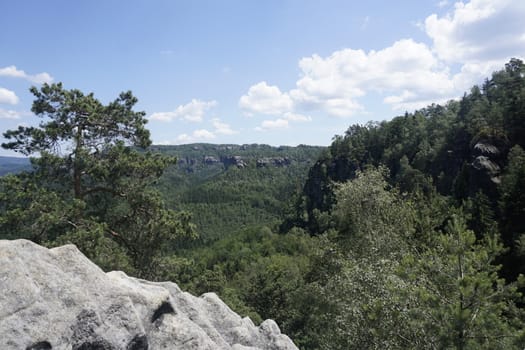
(58, 299)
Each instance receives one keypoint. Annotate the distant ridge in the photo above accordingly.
(10, 165)
(230, 187)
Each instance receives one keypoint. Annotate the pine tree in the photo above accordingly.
(92, 181)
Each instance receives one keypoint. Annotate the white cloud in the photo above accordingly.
(282, 123)
(197, 135)
(203, 134)
(469, 43)
(334, 84)
(10, 114)
(295, 117)
(273, 125)
(265, 99)
(193, 111)
(480, 30)
(8, 97)
(222, 128)
(472, 72)
(163, 116)
(12, 71)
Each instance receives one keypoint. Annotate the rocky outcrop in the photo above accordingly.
(187, 161)
(210, 160)
(487, 149)
(485, 169)
(233, 160)
(488, 167)
(276, 161)
(58, 299)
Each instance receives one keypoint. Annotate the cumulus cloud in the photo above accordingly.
(296, 117)
(273, 125)
(222, 128)
(265, 99)
(200, 135)
(262, 98)
(335, 83)
(407, 73)
(197, 135)
(480, 30)
(283, 122)
(203, 134)
(468, 43)
(193, 111)
(11, 114)
(13, 72)
(8, 97)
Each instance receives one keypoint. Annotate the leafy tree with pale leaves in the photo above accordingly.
(399, 288)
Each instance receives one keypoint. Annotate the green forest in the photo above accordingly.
(231, 187)
(402, 234)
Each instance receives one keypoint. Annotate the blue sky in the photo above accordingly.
(278, 72)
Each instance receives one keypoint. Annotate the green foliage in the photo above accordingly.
(513, 198)
(512, 208)
(92, 238)
(432, 146)
(360, 299)
(366, 213)
(392, 286)
(225, 198)
(403, 245)
(460, 302)
(408, 234)
(259, 274)
(89, 187)
(32, 211)
(81, 119)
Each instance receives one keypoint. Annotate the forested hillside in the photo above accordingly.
(469, 150)
(226, 188)
(408, 234)
(402, 234)
(231, 187)
(9, 165)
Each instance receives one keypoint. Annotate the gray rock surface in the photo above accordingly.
(484, 148)
(484, 163)
(275, 161)
(233, 160)
(58, 299)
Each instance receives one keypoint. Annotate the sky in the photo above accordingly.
(279, 72)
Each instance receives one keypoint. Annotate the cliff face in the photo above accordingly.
(58, 299)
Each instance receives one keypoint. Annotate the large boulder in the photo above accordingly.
(58, 299)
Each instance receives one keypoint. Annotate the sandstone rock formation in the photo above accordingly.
(275, 161)
(485, 168)
(210, 160)
(233, 160)
(58, 299)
